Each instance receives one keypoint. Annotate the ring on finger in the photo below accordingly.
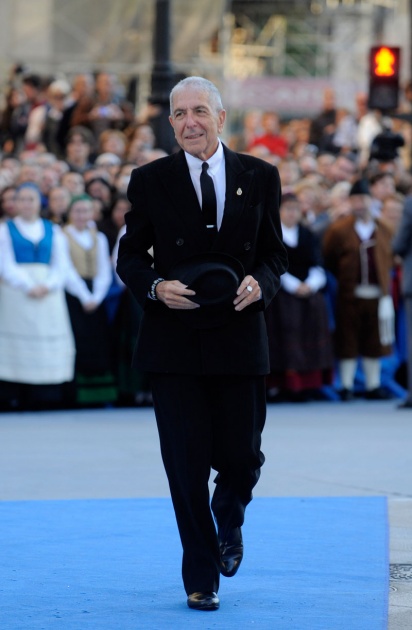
(249, 288)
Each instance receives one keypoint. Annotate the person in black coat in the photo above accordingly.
(300, 341)
(207, 358)
(402, 246)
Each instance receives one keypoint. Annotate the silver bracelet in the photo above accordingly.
(153, 288)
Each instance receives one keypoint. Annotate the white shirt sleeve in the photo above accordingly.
(316, 278)
(35, 124)
(104, 276)
(289, 283)
(74, 284)
(13, 273)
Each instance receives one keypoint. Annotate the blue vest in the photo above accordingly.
(27, 252)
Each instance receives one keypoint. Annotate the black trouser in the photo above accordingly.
(204, 422)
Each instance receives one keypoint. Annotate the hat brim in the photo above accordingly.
(215, 277)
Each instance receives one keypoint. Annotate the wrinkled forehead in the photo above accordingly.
(191, 97)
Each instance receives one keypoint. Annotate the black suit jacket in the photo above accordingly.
(166, 215)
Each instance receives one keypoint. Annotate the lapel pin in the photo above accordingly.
(239, 191)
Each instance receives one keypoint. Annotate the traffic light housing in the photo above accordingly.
(384, 66)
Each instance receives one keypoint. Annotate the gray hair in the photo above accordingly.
(202, 84)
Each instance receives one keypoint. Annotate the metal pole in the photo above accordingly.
(162, 77)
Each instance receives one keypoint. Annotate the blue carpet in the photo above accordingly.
(115, 565)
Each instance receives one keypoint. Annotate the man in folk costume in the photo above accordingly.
(357, 250)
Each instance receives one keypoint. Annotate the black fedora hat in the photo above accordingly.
(215, 277)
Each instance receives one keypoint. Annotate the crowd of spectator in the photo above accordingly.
(68, 326)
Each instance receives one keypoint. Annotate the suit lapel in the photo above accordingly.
(238, 185)
(180, 189)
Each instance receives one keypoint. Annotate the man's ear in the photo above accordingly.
(222, 118)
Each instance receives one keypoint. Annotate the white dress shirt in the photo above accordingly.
(217, 172)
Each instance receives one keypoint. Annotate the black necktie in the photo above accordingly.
(208, 200)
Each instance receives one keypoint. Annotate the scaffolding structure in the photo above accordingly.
(310, 41)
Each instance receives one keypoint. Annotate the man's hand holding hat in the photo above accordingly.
(212, 280)
(173, 292)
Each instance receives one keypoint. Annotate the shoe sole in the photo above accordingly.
(206, 607)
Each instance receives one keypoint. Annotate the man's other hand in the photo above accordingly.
(248, 292)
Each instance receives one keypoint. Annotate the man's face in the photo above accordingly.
(360, 206)
(196, 123)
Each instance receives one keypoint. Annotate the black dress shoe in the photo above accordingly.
(231, 551)
(346, 395)
(203, 601)
(406, 404)
(379, 393)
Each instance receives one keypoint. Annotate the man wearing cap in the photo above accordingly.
(357, 251)
(212, 219)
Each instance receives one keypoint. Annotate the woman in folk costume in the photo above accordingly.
(37, 350)
(86, 291)
(300, 342)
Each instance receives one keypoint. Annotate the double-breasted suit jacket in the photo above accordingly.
(166, 216)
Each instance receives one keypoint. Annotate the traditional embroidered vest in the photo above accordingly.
(85, 260)
(26, 251)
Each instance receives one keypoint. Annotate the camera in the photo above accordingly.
(385, 146)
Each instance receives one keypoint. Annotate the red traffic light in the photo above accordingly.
(385, 61)
(384, 66)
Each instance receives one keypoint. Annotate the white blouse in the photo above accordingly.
(316, 275)
(75, 285)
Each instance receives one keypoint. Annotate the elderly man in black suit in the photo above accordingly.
(211, 217)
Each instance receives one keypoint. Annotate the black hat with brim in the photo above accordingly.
(215, 277)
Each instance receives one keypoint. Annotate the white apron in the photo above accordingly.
(36, 339)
